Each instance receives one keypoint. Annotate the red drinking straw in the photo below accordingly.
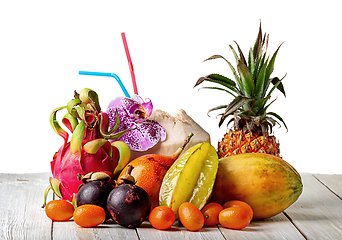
(130, 64)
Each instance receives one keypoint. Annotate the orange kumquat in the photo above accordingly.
(211, 213)
(162, 217)
(234, 218)
(89, 215)
(238, 203)
(59, 210)
(190, 216)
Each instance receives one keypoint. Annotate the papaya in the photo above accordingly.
(267, 183)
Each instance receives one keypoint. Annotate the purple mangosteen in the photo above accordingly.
(95, 192)
(128, 204)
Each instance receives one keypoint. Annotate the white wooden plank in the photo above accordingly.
(176, 232)
(317, 213)
(21, 199)
(331, 181)
(277, 227)
(70, 230)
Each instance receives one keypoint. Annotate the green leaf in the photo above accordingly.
(71, 107)
(77, 138)
(55, 125)
(242, 57)
(237, 78)
(259, 88)
(263, 110)
(47, 190)
(55, 183)
(274, 87)
(258, 44)
(247, 114)
(270, 68)
(216, 108)
(225, 82)
(235, 54)
(93, 146)
(221, 78)
(260, 63)
(104, 124)
(70, 122)
(221, 89)
(251, 63)
(233, 106)
(280, 86)
(259, 104)
(116, 123)
(278, 117)
(88, 96)
(215, 57)
(265, 40)
(247, 79)
(231, 120)
(118, 134)
(81, 113)
(272, 121)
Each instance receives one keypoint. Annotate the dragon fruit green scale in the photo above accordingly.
(88, 149)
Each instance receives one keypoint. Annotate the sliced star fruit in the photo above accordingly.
(191, 178)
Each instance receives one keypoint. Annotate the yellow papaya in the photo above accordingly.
(267, 183)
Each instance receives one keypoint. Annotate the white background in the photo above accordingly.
(44, 44)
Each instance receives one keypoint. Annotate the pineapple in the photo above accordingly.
(251, 88)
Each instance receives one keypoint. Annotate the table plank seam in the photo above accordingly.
(136, 231)
(329, 188)
(221, 232)
(51, 232)
(295, 225)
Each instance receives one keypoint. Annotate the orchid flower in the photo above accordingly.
(134, 114)
(141, 110)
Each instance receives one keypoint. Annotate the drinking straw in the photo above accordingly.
(107, 75)
(130, 64)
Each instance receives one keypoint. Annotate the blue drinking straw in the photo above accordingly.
(107, 75)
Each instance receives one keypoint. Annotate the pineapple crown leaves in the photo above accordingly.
(250, 86)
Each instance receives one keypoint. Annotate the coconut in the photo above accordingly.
(177, 129)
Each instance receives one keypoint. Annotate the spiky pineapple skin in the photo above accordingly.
(237, 142)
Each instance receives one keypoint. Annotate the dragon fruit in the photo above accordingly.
(134, 114)
(88, 150)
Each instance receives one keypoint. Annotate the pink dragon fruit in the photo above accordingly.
(88, 150)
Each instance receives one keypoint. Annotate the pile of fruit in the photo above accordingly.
(244, 179)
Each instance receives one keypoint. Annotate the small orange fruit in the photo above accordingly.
(234, 218)
(190, 216)
(162, 217)
(211, 213)
(89, 215)
(238, 203)
(59, 210)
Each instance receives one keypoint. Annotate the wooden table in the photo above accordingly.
(316, 215)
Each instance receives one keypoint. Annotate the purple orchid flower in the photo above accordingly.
(133, 113)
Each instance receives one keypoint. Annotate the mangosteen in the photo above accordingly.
(128, 204)
(95, 191)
